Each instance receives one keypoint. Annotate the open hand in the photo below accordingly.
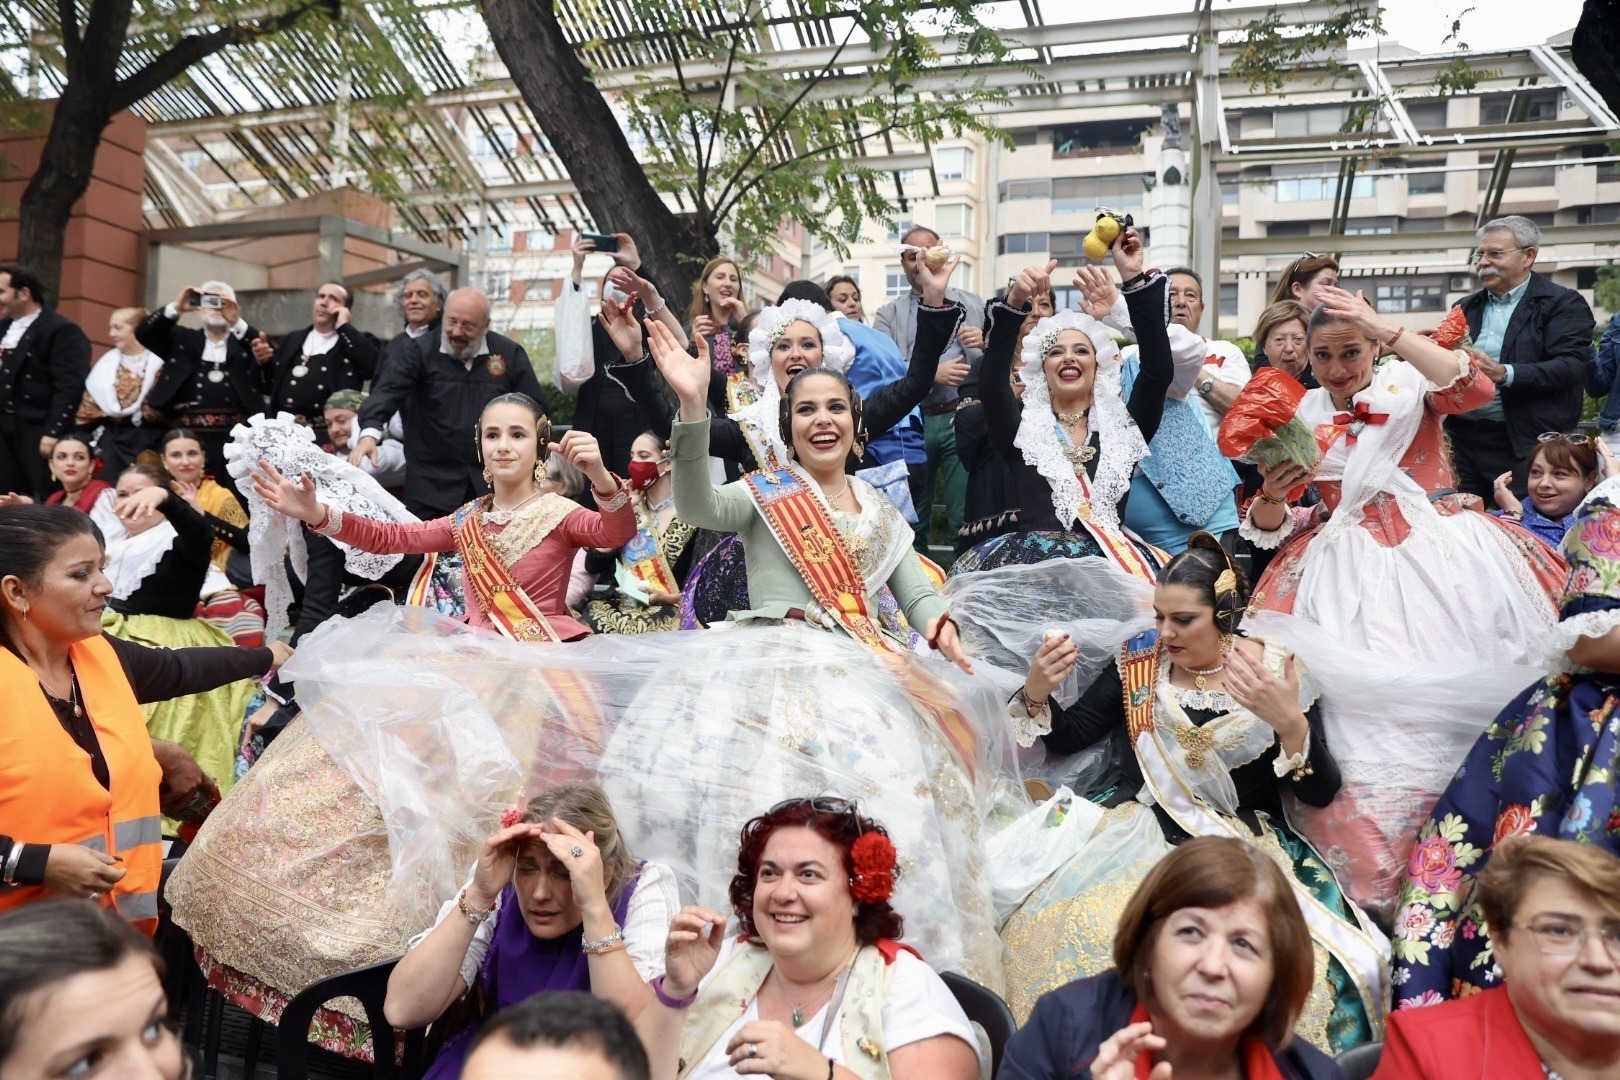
(687, 375)
(496, 863)
(770, 1048)
(585, 871)
(1502, 492)
(1097, 291)
(1274, 700)
(1354, 308)
(621, 327)
(941, 634)
(1116, 1057)
(365, 448)
(295, 498)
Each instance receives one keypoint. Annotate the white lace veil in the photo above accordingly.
(290, 448)
(1121, 443)
(837, 353)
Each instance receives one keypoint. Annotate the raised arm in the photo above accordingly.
(296, 499)
(937, 323)
(1433, 360)
(1146, 404)
(697, 500)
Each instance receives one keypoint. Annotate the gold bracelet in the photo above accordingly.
(1274, 500)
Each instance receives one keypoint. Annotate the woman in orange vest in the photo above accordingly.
(82, 784)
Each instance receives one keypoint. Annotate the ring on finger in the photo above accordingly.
(753, 1050)
(576, 851)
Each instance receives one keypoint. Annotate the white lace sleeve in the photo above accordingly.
(1562, 638)
(1270, 539)
(1287, 764)
(333, 523)
(1027, 728)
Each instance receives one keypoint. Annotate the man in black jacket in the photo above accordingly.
(210, 380)
(44, 359)
(441, 388)
(1533, 339)
(312, 364)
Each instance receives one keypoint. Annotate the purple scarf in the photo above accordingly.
(520, 965)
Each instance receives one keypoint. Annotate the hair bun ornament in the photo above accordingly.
(874, 858)
(512, 815)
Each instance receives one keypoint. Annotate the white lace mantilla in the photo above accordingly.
(274, 538)
(131, 558)
(1119, 440)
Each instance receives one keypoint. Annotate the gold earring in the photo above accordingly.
(488, 479)
(25, 614)
(1226, 643)
(539, 473)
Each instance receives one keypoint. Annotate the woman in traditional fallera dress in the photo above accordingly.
(1404, 569)
(289, 880)
(1209, 733)
(1072, 441)
(806, 686)
(650, 570)
(1549, 765)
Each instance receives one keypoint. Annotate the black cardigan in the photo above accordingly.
(1004, 409)
(936, 328)
(174, 586)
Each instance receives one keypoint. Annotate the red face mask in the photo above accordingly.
(643, 474)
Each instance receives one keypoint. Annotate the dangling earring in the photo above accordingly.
(1226, 643)
(539, 473)
(488, 479)
(25, 614)
(791, 453)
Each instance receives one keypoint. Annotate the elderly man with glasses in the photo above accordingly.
(1534, 340)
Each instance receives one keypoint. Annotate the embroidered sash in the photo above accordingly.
(1114, 544)
(496, 591)
(418, 593)
(644, 554)
(725, 997)
(1359, 947)
(804, 528)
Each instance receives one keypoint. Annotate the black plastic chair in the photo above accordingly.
(985, 1008)
(1360, 1062)
(370, 986)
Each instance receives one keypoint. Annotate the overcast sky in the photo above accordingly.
(1493, 24)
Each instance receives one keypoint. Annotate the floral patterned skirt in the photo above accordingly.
(1548, 765)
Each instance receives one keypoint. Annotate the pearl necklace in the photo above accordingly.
(498, 508)
(1201, 675)
(832, 500)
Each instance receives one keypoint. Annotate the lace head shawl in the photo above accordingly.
(837, 353)
(291, 449)
(1120, 443)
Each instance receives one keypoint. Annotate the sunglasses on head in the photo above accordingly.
(1574, 439)
(825, 804)
(1294, 269)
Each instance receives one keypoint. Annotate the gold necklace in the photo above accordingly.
(832, 500)
(1069, 419)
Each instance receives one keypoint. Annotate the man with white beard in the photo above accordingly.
(441, 390)
(210, 380)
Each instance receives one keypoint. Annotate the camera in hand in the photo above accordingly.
(604, 242)
(193, 297)
(211, 300)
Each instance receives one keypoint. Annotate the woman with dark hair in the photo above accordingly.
(556, 902)
(82, 783)
(650, 570)
(1305, 279)
(1406, 573)
(73, 465)
(1561, 471)
(159, 564)
(81, 994)
(816, 984)
(1211, 734)
(845, 294)
(223, 604)
(1212, 972)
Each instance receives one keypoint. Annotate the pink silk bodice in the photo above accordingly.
(543, 570)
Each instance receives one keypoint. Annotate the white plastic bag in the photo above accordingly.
(1027, 851)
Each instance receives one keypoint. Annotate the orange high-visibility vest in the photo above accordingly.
(50, 795)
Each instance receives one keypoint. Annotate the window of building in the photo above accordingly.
(496, 142)
(894, 280)
(1026, 136)
(1229, 193)
(1368, 226)
(1422, 224)
(1014, 190)
(1598, 215)
(1229, 232)
(953, 219)
(498, 284)
(1020, 243)
(952, 163)
(1543, 105)
(542, 240)
(1395, 296)
(1311, 188)
(1425, 183)
(1528, 173)
(1289, 228)
(1229, 301)
(1065, 245)
(498, 237)
(1315, 120)
(1066, 298)
(1426, 115)
(1083, 194)
(898, 229)
(1096, 138)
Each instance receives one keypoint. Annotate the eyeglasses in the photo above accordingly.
(1496, 253)
(1559, 938)
(1294, 268)
(1574, 439)
(825, 804)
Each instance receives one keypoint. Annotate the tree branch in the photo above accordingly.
(194, 48)
(777, 124)
(691, 119)
(707, 154)
(68, 15)
(844, 144)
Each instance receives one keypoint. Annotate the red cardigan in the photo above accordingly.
(1476, 1036)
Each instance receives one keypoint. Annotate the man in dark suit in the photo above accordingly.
(312, 364)
(44, 359)
(441, 387)
(1533, 339)
(210, 380)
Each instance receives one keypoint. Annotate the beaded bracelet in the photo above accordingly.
(608, 944)
(467, 912)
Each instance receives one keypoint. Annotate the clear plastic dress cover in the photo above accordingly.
(1398, 730)
(433, 728)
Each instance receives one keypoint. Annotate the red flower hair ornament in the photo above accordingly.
(511, 816)
(874, 858)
